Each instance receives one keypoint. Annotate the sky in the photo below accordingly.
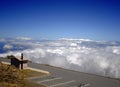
(54, 19)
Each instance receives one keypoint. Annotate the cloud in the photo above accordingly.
(116, 51)
(7, 47)
(97, 57)
(75, 39)
(2, 40)
(23, 38)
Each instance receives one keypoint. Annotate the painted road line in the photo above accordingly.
(5, 62)
(64, 83)
(38, 70)
(49, 80)
(86, 85)
(37, 77)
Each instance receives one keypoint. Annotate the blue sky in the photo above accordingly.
(53, 19)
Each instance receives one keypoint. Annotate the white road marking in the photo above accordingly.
(49, 80)
(36, 77)
(5, 62)
(38, 70)
(64, 83)
(85, 85)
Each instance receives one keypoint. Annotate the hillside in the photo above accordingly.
(10, 76)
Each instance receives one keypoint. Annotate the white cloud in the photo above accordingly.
(74, 59)
(95, 57)
(55, 51)
(116, 51)
(7, 47)
(23, 38)
(2, 40)
(71, 39)
(73, 44)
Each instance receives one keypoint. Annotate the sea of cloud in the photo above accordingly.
(96, 57)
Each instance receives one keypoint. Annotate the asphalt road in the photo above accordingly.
(67, 78)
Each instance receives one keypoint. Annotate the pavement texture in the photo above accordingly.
(59, 77)
(67, 78)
